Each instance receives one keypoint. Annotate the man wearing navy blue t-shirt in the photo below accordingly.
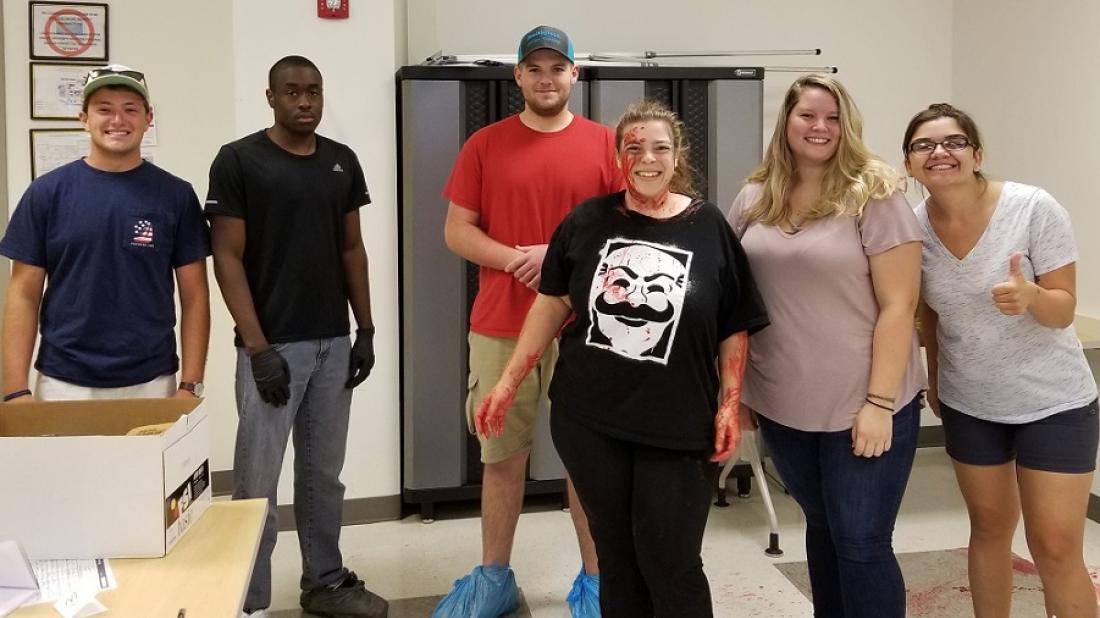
(114, 236)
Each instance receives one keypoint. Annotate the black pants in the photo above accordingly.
(647, 508)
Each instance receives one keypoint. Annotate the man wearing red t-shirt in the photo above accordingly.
(513, 183)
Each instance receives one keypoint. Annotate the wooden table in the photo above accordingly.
(206, 573)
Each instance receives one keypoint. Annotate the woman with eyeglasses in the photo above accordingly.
(835, 381)
(1006, 371)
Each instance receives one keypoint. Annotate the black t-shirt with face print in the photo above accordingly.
(653, 298)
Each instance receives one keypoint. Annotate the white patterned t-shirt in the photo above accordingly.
(992, 366)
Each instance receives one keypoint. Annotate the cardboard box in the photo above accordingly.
(74, 485)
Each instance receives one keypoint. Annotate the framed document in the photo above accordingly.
(68, 31)
(57, 90)
(52, 148)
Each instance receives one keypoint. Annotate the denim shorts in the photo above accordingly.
(1063, 442)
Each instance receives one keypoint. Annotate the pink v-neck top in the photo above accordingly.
(810, 369)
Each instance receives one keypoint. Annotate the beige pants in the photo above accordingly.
(488, 358)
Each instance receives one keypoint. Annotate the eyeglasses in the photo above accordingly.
(97, 73)
(951, 143)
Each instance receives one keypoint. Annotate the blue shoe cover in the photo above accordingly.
(487, 592)
(584, 596)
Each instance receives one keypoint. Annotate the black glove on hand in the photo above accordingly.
(272, 376)
(362, 357)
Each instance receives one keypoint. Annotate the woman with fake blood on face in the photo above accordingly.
(1005, 369)
(835, 381)
(664, 302)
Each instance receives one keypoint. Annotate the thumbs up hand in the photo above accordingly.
(1014, 296)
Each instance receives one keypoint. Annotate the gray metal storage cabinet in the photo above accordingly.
(438, 108)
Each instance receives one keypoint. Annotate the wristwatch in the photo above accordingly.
(195, 388)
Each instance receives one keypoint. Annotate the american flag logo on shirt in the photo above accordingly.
(143, 233)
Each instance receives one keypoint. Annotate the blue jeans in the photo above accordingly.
(317, 412)
(850, 504)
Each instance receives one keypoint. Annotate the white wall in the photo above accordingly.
(893, 55)
(1026, 71)
(356, 58)
(207, 71)
(192, 113)
(400, 32)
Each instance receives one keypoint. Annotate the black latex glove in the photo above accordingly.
(362, 357)
(272, 376)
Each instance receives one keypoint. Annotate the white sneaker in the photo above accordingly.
(259, 613)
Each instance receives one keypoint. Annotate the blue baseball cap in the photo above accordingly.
(545, 37)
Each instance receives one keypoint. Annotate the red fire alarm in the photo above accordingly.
(332, 9)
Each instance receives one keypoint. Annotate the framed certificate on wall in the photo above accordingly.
(52, 148)
(57, 90)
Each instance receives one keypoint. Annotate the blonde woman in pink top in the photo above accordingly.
(835, 382)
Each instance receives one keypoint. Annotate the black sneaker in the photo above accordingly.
(349, 599)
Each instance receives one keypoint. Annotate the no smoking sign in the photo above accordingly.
(72, 31)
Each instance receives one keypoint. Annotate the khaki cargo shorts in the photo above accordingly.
(488, 357)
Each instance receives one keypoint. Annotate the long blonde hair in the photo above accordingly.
(854, 175)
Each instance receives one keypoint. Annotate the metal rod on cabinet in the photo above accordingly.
(825, 69)
(625, 56)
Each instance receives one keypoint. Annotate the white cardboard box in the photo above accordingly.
(74, 485)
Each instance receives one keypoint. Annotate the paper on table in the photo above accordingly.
(17, 583)
(12, 599)
(80, 605)
(65, 580)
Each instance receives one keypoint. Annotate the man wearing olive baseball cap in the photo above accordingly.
(115, 236)
(524, 173)
(115, 75)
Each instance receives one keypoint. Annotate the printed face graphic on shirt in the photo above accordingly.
(637, 298)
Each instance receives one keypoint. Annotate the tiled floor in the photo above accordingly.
(407, 559)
